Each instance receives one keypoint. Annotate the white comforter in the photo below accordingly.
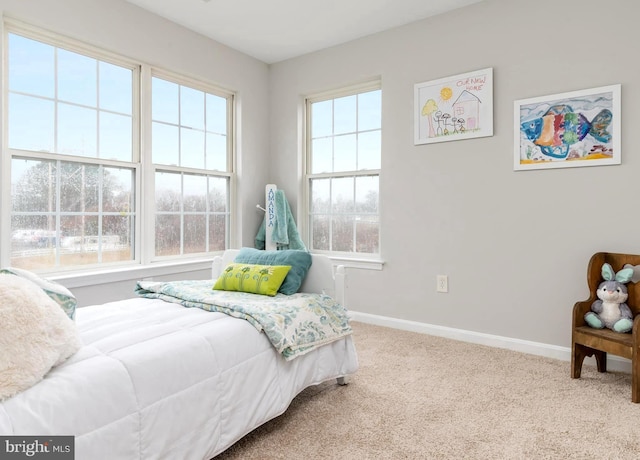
(157, 380)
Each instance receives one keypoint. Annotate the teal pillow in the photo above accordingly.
(299, 260)
(55, 291)
(255, 279)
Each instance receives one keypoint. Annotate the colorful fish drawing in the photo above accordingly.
(560, 127)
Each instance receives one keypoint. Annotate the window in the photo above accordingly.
(73, 164)
(74, 123)
(343, 171)
(190, 140)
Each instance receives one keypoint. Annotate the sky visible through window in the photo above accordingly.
(346, 136)
(345, 160)
(62, 102)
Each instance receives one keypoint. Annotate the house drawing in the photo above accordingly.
(467, 107)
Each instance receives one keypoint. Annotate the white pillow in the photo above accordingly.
(57, 292)
(35, 335)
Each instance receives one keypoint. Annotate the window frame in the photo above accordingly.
(144, 238)
(152, 168)
(350, 259)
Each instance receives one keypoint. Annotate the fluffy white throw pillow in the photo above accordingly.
(35, 335)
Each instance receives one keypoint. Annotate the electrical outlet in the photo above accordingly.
(442, 283)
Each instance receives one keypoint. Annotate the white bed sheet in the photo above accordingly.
(158, 380)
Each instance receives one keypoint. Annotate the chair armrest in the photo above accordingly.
(636, 330)
(579, 310)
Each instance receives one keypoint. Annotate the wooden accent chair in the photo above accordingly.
(587, 341)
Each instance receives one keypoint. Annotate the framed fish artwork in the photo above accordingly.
(454, 108)
(574, 129)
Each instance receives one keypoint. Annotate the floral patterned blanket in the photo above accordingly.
(295, 324)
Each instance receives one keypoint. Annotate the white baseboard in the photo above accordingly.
(614, 363)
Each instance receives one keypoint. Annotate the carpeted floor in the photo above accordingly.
(422, 397)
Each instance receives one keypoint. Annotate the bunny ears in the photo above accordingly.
(623, 276)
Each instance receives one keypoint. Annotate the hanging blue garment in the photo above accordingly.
(285, 232)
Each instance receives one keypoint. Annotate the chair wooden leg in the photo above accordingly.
(635, 375)
(580, 352)
(577, 357)
(601, 360)
(635, 382)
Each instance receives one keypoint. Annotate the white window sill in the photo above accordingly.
(350, 262)
(138, 272)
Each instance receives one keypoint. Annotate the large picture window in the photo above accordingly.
(343, 169)
(74, 125)
(73, 164)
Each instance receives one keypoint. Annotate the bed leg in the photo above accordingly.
(344, 380)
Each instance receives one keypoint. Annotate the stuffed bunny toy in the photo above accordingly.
(610, 310)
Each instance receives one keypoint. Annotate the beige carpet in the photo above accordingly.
(423, 397)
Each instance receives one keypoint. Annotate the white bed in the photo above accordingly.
(157, 380)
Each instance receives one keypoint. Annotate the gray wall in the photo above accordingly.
(514, 244)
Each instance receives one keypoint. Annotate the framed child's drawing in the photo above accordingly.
(578, 128)
(454, 108)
